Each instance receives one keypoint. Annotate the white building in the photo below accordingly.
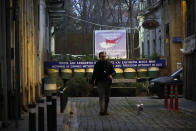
(151, 41)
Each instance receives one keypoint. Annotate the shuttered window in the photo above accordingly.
(191, 17)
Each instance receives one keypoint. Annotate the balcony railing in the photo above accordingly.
(146, 5)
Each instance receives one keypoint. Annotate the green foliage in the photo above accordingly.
(95, 58)
(155, 56)
(59, 81)
(55, 79)
(87, 57)
(78, 87)
(54, 58)
(140, 88)
(143, 57)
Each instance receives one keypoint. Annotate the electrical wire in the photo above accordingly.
(100, 24)
(68, 15)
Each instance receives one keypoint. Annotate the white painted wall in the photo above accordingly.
(146, 35)
(43, 36)
(141, 33)
(42, 25)
(52, 41)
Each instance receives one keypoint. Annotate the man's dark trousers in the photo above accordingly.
(104, 92)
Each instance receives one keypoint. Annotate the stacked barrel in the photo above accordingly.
(119, 73)
(130, 73)
(79, 72)
(127, 73)
(153, 72)
(142, 72)
(53, 72)
(50, 85)
(89, 72)
(66, 73)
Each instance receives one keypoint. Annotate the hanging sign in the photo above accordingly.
(150, 24)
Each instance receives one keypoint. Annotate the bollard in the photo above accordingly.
(49, 112)
(64, 98)
(176, 98)
(54, 112)
(166, 97)
(61, 100)
(171, 98)
(32, 117)
(41, 114)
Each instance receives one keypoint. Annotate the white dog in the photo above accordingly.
(139, 108)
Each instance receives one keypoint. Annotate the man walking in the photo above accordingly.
(102, 76)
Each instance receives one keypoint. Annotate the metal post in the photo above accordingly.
(176, 98)
(49, 112)
(127, 41)
(17, 62)
(54, 113)
(155, 35)
(61, 100)
(41, 106)
(32, 117)
(171, 98)
(93, 45)
(64, 98)
(166, 96)
(4, 63)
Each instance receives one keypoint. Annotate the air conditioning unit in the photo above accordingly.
(189, 45)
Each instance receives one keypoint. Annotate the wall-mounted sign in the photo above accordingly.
(150, 24)
(189, 45)
(116, 64)
(177, 39)
(113, 42)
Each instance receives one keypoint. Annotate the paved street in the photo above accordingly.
(82, 115)
(23, 124)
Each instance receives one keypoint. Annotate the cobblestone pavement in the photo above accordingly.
(82, 115)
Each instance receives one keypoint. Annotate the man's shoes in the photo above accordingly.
(101, 113)
(106, 113)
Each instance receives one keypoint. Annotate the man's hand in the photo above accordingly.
(110, 76)
(90, 86)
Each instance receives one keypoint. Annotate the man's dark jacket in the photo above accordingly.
(102, 70)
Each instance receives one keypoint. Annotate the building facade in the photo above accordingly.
(151, 41)
(165, 40)
(189, 49)
(174, 30)
(22, 52)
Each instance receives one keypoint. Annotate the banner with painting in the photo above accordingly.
(113, 42)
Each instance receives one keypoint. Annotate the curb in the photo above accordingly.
(187, 111)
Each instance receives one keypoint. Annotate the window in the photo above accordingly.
(191, 11)
(154, 46)
(142, 49)
(160, 45)
(148, 44)
(0, 80)
(167, 30)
